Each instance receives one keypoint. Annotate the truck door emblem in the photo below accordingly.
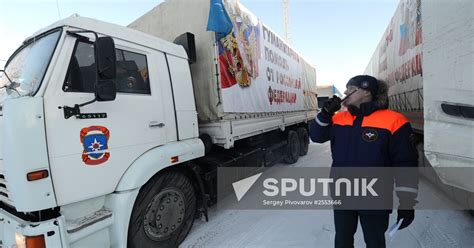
(94, 139)
(369, 135)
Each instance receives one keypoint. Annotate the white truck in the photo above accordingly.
(325, 92)
(427, 58)
(111, 137)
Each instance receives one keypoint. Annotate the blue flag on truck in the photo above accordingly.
(219, 21)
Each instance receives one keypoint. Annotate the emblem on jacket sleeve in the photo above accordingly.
(369, 135)
(94, 139)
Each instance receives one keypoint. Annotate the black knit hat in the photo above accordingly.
(365, 82)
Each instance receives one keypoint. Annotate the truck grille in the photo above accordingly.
(4, 191)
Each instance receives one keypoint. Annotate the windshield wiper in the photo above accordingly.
(11, 86)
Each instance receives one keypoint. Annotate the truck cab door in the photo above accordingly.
(89, 155)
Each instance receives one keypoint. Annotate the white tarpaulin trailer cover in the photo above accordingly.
(398, 60)
(426, 56)
(249, 70)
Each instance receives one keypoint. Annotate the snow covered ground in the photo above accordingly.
(315, 228)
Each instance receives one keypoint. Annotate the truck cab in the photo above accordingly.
(76, 148)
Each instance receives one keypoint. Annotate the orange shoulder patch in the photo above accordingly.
(343, 119)
(385, 119)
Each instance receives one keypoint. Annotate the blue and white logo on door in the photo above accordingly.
(94, 140)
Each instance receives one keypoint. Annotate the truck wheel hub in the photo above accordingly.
(164, 214)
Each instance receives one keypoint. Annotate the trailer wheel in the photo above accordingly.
(304, 140)
(163, 213)
(293, 148)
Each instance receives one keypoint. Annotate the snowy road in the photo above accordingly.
(314, 228)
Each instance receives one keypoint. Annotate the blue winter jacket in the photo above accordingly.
(374, 137)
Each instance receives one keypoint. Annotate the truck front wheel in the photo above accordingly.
(163, 213)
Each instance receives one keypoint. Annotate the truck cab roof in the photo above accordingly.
(117, 32)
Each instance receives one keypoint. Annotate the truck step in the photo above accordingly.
(88, 220)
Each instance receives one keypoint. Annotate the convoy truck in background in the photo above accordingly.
(111, 137)
(325, 92)
(426, 57)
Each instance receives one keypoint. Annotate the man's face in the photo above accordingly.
(360, 96)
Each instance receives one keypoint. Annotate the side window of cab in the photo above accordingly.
(132, 71)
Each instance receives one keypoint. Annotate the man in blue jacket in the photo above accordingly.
(368, 135)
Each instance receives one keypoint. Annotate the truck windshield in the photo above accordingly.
(28, 65)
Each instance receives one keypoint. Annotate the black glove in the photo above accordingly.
(408, 215)
(330, 107)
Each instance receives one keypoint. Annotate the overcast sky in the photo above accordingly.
(337, 36)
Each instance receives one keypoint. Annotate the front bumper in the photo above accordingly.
(13, 230)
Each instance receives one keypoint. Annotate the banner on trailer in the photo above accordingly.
(259, 72)
(398, 58)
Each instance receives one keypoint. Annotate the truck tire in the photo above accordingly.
(304, 140)
(292, 148)
(163, 213)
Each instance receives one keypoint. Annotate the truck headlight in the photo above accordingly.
(20, 240)
(29, 241)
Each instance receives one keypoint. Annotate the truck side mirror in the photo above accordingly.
(105, 58)
(105, 90)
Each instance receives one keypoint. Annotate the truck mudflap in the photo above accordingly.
(15, 232)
